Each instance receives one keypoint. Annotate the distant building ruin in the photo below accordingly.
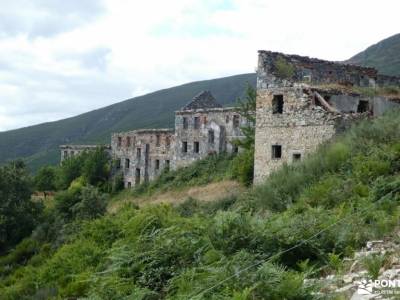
(302, 102)
(202, 127)
(68, 151)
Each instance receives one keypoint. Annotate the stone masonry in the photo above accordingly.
(68, 151)
(202, 127)
(301, 103)
(307, 105)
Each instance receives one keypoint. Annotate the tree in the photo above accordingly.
(247, 109)
(96, 168)
(45, 179)
(18, 213)
(69, 170)
(243, 164)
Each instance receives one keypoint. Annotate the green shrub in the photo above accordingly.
(243, 167)
(92, 204)
(373, 264)
(212, 168)
(231, 232)
(283, 68)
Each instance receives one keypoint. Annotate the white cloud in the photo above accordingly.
(61, 58)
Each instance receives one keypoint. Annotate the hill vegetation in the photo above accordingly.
(384, 56)
(38, 145)
(301, 223)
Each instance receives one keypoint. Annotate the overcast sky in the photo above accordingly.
(59, 58)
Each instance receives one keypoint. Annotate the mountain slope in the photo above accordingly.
(384, 56)
(39, 144)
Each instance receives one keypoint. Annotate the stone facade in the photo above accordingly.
(68, 151)
(203, 127)
(301, 103)
(141, 155)
(296, 113)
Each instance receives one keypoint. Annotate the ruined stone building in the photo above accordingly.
(302, 102)
(68, 151)
(202, 127)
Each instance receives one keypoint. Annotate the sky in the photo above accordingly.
(61, 58)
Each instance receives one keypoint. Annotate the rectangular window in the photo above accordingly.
(65, 154)
(128, 141)
(196, 147)
(236, 121)
(276, 151)
(196, 124)
(138, 153)
(184, 147)
(167, 141)
(277, 104)
(157, 164)
(185, 123)
(211, 137)
(118, 163)
(129, 185)
(158, 140)
(362, 106)
(167, 165)
(296, 157)
(119, 141)
(205, 120)
(235, 149)
(227, 119)
(127, 163)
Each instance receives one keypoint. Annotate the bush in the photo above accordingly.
(373, 264)
(92, 204)
(18, 213)
(284, 69)
(243, 167)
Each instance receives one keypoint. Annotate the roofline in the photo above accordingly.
(214, 109)
(84, 146)
(142, 131)
(316, 60)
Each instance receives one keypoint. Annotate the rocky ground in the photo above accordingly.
(372, 273)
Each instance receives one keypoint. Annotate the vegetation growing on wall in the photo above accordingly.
(283, 68)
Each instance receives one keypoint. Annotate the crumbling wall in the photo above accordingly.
(68, 151)
(141, 155)
(203, 132)
(298, 130)
(302, 102)
(316, 71)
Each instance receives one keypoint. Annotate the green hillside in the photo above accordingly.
(304, 222)
(384, 56)
(39, 144)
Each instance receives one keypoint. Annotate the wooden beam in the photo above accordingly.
(325, 104)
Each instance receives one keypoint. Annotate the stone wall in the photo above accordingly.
(68, 151)
(296, 113)
(202, 128)
(211, 129)
(141, 155)
(298, 130)
(316, 71)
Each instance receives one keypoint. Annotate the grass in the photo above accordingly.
(373, 264)
(214, 168)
